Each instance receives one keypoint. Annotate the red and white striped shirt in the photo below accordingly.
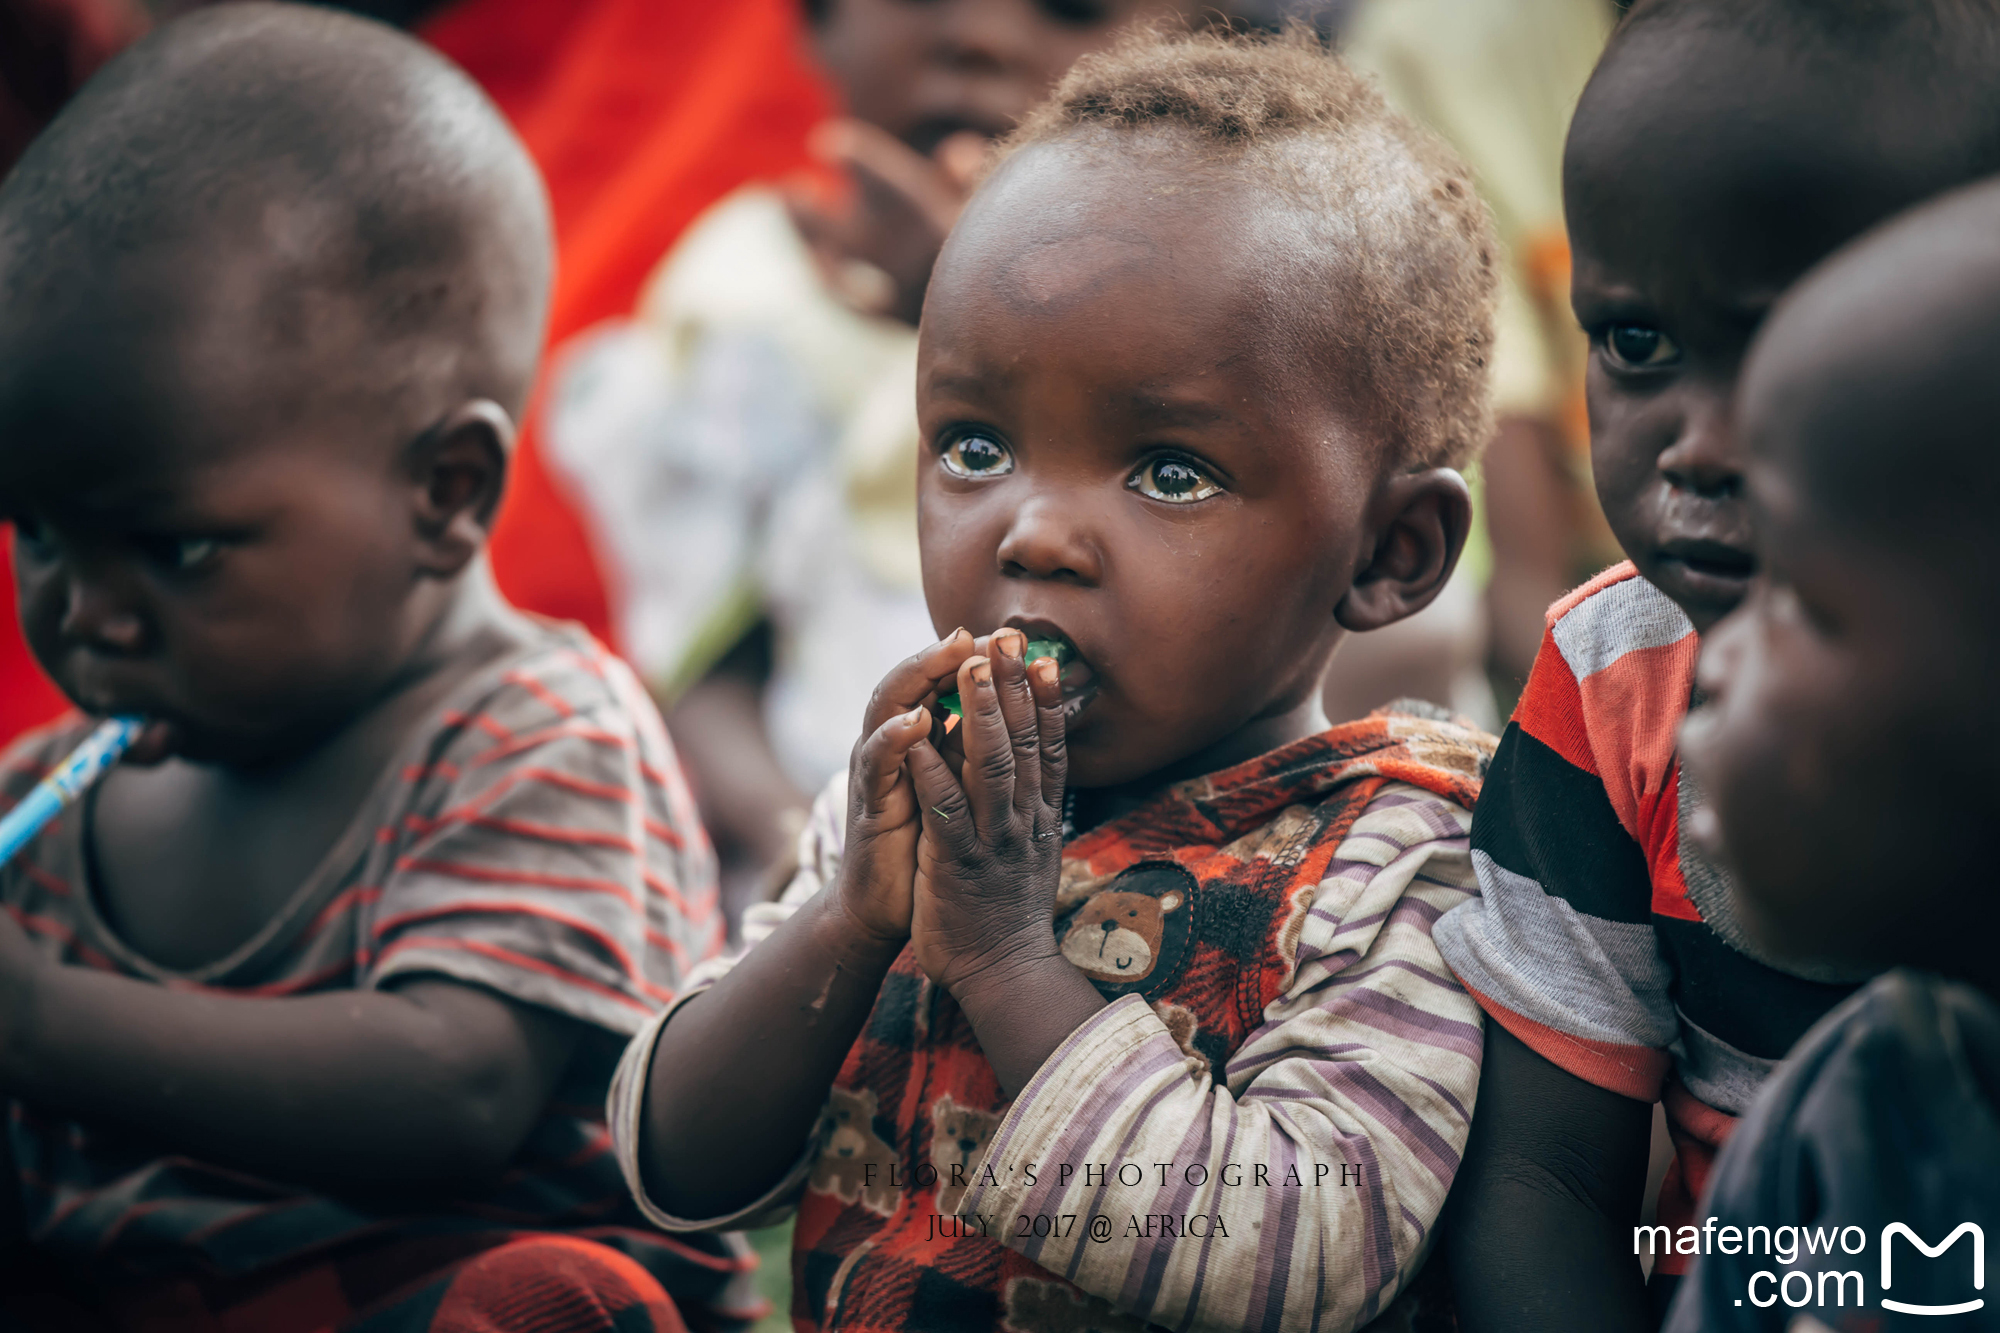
(534, 838)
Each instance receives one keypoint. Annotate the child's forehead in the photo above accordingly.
(1063, 225)
(151, 387)
(1189, 299)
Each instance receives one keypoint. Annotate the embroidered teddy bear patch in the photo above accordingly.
(1134, 931)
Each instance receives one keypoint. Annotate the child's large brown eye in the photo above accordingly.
(1639, 346)
(977, 456)
(1176, 481)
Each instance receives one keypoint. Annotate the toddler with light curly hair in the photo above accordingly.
(1116, 1003)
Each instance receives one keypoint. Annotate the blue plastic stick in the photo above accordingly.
(71, 778)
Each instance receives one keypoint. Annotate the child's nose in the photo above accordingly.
(1043, 542)
(1703, 457)
(97, 616)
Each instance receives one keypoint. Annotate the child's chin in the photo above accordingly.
(193, 744)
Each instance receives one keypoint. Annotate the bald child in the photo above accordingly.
(307, 1013)
(1845, 748)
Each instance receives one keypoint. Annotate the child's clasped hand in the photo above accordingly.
(960, 852)
(991, 850)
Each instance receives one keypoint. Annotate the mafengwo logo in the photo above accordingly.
(1895, 1229)
(1806, 1275)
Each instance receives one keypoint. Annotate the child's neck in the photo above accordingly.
(1260, 735)
(472, 626)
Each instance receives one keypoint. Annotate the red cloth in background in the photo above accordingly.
(47, 49)
(27, 698)
(641, 113)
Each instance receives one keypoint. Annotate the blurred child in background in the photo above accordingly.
(1846, 754)
(640, 113)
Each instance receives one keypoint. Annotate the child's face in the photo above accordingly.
(1128, 448)
(1703, 175)
(1845, 751)
(926, 69)
(209, 526)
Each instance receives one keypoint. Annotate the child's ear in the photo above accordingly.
(1419, 521)
(459, 467)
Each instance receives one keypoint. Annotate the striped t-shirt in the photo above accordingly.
(1602, 938)
(534, 838)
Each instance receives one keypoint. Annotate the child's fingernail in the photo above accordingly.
(1046, 671)
(951, 638)
(916, 715)
(982, 671)
(1010, 642)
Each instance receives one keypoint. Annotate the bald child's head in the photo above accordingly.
(269, 191)
(272, 290)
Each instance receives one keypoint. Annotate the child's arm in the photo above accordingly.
(1541, 1221)
(739, 1073)
(893, 218)
(432, 1084)
(504, 910)
(1561, 951)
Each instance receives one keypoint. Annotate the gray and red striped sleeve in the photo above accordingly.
(552, 853)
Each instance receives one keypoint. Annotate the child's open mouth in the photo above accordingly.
(1708, 567)
(1079, 682)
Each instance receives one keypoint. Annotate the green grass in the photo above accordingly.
(774, 1276)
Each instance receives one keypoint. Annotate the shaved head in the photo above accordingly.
(292, 191)
(1873, 385)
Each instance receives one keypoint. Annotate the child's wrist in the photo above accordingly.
(1002, 977)
(852, 937)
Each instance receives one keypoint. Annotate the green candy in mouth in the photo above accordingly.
(1059, 649)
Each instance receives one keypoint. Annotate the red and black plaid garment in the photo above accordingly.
(534, 839)
(1238, 845)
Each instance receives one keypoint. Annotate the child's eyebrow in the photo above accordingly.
(964, 384)
(1153, 410)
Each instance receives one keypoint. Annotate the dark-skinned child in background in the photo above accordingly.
(1845, 751)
